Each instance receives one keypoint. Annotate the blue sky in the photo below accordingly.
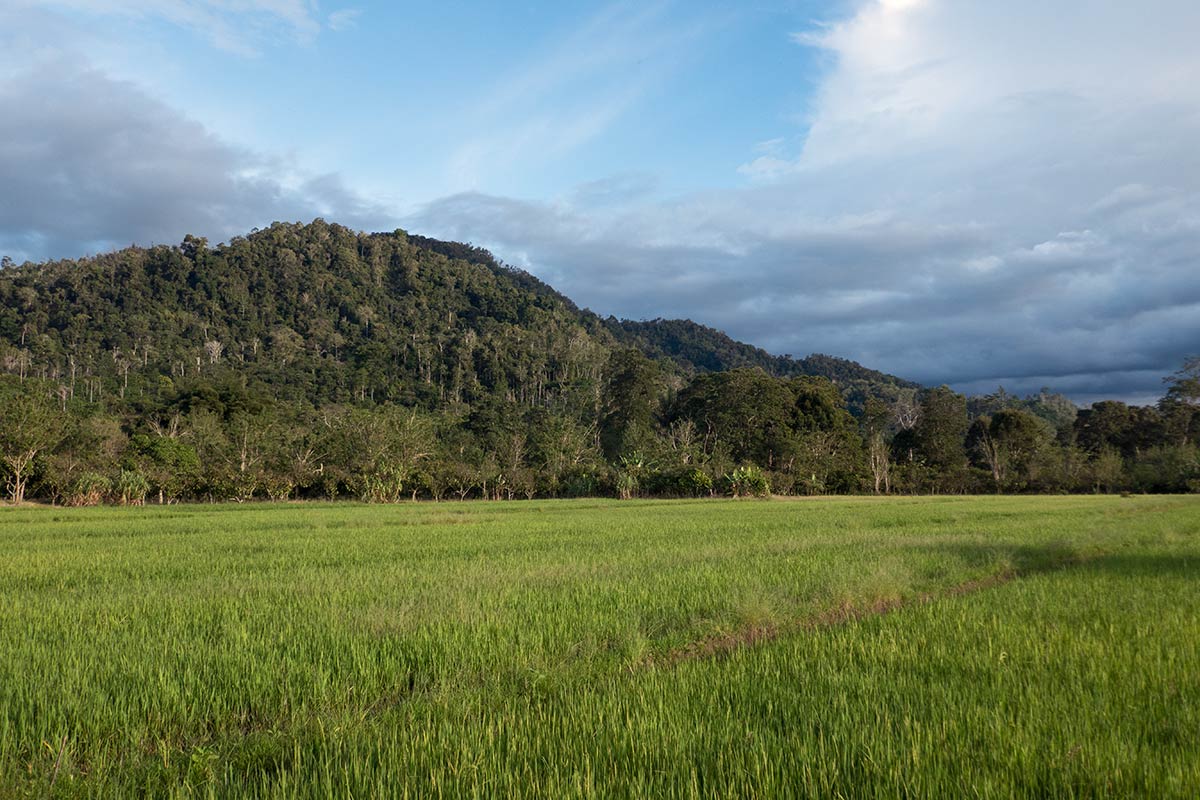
(968, 193)
(412, 101)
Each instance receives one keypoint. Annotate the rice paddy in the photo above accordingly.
(854, 647)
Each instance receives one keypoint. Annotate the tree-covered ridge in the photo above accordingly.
(698, 348)
(313, 361)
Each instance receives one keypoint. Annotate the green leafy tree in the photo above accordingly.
(561, 447)
(1167, 468)
(829, 449)
(170, 463)
(30, 426)
(937, 441)
(1009, 444)
(630, 401)
(378, 452)
(745, 413)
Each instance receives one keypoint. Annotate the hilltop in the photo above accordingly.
(319, 313)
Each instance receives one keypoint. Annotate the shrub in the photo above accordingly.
(279, 487)
(580, 482)
(811, 484)
(627, 485)
(635, 471)
(680, 482)
(132, 488)
(89, 489)
(747, 481)
(383, 486)
(697, 483)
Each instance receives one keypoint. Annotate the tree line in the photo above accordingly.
(739, 432)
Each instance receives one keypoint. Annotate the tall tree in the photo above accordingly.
(939, 436)
(1180, 407)
(744, 412)
(875, 419)
(631, 403)
(1184, 385)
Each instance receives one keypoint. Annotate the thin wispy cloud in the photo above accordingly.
(344, 19)
(239, 26)
(573, 92)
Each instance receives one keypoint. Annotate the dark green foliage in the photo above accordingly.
(939, 434)
(932, 453)
(799, 428)
(745, 413)
(1114, 425)
(1168, 468)
(1010, 445)
(631, 399)
(316, 312)
(698, 349)
(681, 482)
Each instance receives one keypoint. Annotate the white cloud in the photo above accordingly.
(912, 76)
(1066, 246)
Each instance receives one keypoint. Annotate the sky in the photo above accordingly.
(970, 193)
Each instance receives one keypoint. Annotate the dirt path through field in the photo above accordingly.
(726, 643)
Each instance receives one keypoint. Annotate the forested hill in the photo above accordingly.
(319, 313)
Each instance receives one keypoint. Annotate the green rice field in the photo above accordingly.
(849, 647)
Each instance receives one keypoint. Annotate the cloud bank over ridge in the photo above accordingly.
(980, 193)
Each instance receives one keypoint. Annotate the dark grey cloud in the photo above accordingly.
(88, 163)
(1101, 311)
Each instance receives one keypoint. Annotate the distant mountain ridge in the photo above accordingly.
(320, 313)
(699, 348)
